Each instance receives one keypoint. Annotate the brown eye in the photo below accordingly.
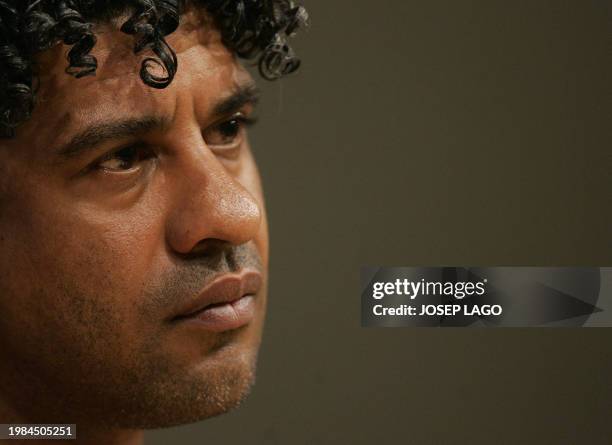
(227, 134)
(123, 160)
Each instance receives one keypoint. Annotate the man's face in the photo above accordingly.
(104, 245)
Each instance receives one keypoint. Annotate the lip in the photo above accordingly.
(226, 303)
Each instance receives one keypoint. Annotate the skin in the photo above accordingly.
(95, 261)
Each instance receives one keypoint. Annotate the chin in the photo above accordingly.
(214, 387)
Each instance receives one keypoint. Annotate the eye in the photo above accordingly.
(124, 159)
(228, 133)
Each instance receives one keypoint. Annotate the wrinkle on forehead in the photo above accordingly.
(114, 51)
(65, 102)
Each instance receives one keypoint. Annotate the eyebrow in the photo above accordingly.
(98, 133)
(246, 94)
(101, 132)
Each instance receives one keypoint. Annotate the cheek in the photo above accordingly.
(74, 274)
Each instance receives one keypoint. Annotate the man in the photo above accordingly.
(133, 235)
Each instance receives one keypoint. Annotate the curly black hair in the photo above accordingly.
(253, 29)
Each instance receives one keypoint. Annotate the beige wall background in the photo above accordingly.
(431, 132)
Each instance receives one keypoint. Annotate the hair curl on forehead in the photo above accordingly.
(253, 29)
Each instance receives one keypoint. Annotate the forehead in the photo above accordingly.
(206, 70)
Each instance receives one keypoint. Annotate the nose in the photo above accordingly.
(211, 205)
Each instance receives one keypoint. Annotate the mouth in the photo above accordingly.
(227, 303)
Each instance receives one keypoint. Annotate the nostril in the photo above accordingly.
(219, 255)
(211, 248)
